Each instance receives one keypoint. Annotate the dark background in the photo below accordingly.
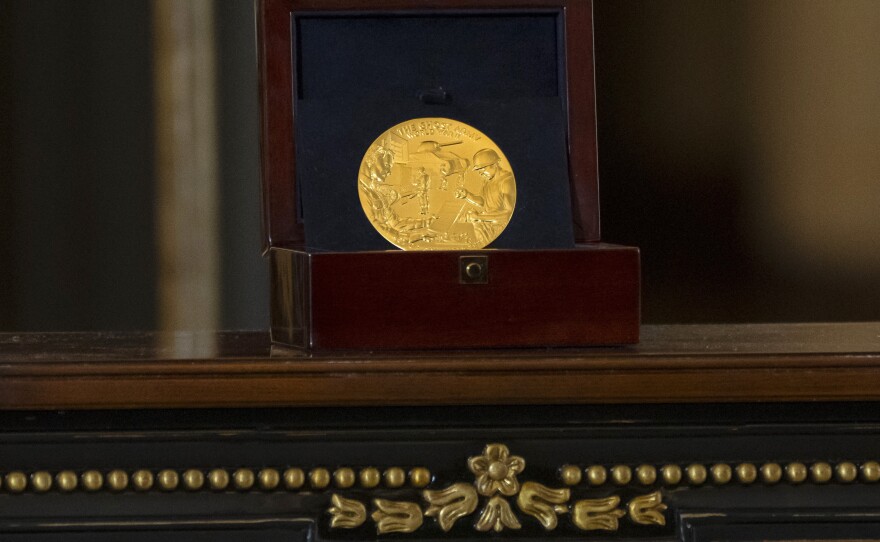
(737, 148)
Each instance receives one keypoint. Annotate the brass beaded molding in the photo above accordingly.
(720, 474)
(319, 478)
(217, 479)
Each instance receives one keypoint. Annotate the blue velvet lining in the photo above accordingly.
(360, 75)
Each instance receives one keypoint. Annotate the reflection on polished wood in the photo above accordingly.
(711, 363)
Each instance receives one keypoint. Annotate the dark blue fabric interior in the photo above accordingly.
(474, 56)
(360, 75)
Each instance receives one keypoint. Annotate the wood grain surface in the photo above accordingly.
(673, 364)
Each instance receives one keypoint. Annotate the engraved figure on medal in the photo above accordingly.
(436, 184)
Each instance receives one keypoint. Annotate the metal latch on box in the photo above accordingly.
(473, 270)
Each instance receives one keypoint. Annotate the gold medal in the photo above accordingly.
(436, 184)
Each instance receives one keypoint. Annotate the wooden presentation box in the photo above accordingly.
(334, 74)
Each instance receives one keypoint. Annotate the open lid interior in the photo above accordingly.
(355, 74)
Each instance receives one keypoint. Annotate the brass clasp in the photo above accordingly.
(473, 270)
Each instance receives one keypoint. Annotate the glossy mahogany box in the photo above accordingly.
(575, 291)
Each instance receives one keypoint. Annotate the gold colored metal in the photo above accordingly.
(596, 475)
(821, 472)
(696, 474)
(243, 479)
(621, 474)
(846, 472)
(319, 478)
(370, 477)
(597, 514)
(41, 481)
(396, 516)
(496, 471)
(294, 478)
(746, 473)
(117, 480)
(771, 473)
(66, 480)
(671, 474)
(419, 477)
(268, 479)
(344, 477)
(796, 472)
(495, 487)
(646, 474)
(871, 471)
(570, 474)
(218, 479)
(142, 480)
(16, 482)
(450, 504)
(346, 513)
(395, 477)
(436, 184)
(92, 480)
(168, 480)
(193, 479)
(497, 515)
(544, 503)
(647, 509)
(721, 473)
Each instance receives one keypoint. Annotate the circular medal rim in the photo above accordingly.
(416, 119)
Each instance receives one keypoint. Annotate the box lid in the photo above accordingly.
(281, 83)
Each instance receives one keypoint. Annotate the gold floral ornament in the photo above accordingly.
(495, 485)
(496, 471)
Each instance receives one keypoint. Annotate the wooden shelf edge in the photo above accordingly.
(673, 364)
(437, 389)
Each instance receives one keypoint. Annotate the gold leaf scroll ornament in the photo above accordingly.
(647, 509)
(597, 514)
(543, 503)
(396, 516)
(346, 513)
(450, 504)
(497, 515)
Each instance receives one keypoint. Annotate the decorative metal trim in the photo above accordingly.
(242, 479)
(489, 496)
(719, 474)
(571, 476)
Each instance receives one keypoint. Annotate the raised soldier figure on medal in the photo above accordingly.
(494, 205)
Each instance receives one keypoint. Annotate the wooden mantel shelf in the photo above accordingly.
(673, 364)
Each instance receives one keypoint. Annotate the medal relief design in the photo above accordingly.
(436, 184)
